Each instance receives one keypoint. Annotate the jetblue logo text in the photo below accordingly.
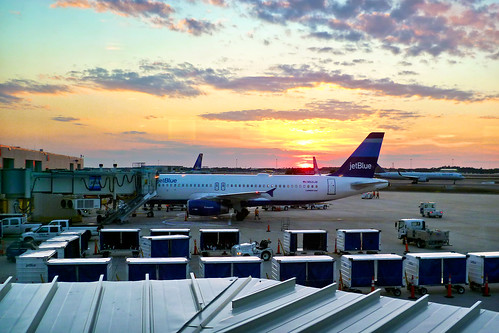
(167, 180)
(360, 166)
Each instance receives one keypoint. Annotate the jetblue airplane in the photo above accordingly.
(216, 194)
(419, 176)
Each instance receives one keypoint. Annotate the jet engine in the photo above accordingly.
(206, 208)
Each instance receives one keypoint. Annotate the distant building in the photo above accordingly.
(38, 160)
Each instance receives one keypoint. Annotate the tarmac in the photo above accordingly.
(472, 220)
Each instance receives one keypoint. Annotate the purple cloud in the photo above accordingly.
(156, 13)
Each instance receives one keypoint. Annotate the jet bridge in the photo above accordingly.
(32, 193)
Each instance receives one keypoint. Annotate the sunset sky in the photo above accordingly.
(251, 83)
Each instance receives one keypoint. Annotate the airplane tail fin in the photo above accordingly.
(379, 169)
(364, 159)
(197, 165)
(316, 168)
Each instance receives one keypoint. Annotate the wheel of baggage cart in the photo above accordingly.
(423, 291)
(266, 256)
(396, 292)
(421, 243)
(150, 213)
(460, 289)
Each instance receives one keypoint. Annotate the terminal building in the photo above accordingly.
(37, 160)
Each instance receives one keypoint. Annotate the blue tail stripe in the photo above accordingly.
(368, 149)
(364, 159)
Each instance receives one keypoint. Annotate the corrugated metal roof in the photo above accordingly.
(223, 305)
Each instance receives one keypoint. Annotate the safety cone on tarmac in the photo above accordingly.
(486, 292)
(195, 248)
(335, 247)
(406, 246)
(372, 284)
(268, 227)
(413, 296)
(96, 249)
(449, 288)
(278, 246)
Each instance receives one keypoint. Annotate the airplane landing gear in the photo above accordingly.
(242, 214)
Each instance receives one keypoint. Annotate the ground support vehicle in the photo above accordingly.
(157, 268)
(415, 231)
(305, 241)
(223, 267)
(17, 225)
(315, 206)
(66, 226)
(369, 270)
(430, 209)
(313, 271)
(119, 242)
(368, 240)
(483, 268)
(436, 269)
(79, 270)
(17, 248)
(42, 233)
(254, 249)
(168, 246)
(367, 195)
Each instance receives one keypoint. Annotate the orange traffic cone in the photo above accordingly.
(335, 247)
(449, 288)
(413, 296)
(268, 227)
(195, 248)
(96, 249)
(278, 246)
(406, 245)
(372, 284)
(486, 292)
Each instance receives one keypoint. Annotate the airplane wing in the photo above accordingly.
(361, 185)
(240, 196)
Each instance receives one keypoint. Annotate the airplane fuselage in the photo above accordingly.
(289, 189)
(421, 176)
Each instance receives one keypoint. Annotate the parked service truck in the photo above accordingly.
(415, 231)
(41, 234)
(66, 226)
(17, 225)
(430, 209)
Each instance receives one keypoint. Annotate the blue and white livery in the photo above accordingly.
(215, 194)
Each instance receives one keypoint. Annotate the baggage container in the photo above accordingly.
(361, 270)
(157, 268)
(119, 241)
(79, 270)
(72, 249)
(481, 266)
(60, 248)
(165, 246)
(168, 232)
(218, 239)
(31, 266)
(434, 269)
(221, 267)
(311, 271)
(358, 240)
(304, 240)
(84, 235)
